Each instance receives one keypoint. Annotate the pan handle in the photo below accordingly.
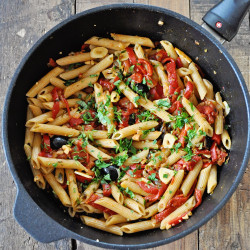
(37, 223)
(226, 17)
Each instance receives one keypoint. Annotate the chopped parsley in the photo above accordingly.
(146, 116)
(165, 176)
(163, 103)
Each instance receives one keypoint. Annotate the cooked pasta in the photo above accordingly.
(126, 133)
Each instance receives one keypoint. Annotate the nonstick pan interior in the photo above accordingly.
(217, 64)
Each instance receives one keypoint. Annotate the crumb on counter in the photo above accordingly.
(196, 42)
(160, 22)
(215, 72)
(205, 50)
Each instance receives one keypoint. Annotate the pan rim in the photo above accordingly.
(180, 17)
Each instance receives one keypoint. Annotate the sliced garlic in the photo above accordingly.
(166, 175)
(98, 52)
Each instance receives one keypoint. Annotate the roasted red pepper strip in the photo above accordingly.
(178, 63)
(131, 55)
(198, 197)
(82, 179)
(106, 189)
(155, 197)
(46, 141)
(156, 92)
(182, 137)
(151, 189)
(149, 66)
(189, 90)
(216, 138)
(177, 220)
(162, 215)
(214, 156)
(172, 76)
(91, 201)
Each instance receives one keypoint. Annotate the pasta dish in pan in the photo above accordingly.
(127, 133)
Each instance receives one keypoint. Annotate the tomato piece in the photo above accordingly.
(216, 138)
(161, 55)
(52, 63)
(84, 47)
(177, 105)
(126, 65)
(217, 155)
(208, 111)
(44, 154)
(148, 65)
(198, 197)
(80, 154)
(81, 177)
(57, 95)
(75, 121)
(202, 152)
(136, 170)
(189, 90)
(106, 84)
(178, 63)
(106, 189)
(137, 77)
(131, 55)
(188, 165)
(125, 103)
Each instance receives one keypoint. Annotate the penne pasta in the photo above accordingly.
(92, 222)
(58, 189)
(77, 58)
(143, 41)
(107, 43)
(68, 75)
(44, 81)
(118, 208)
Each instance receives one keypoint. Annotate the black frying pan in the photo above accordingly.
(37, 211)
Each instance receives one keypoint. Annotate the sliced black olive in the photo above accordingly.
(57, 141)
(131, 120)
(209, 142)
(141, 88)
(113, 171)
(163, 129)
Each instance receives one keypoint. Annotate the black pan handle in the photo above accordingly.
(37, 223)
(226, 17)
